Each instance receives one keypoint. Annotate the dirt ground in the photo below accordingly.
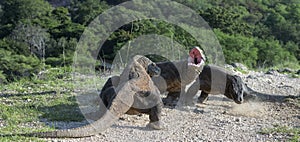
(220, 119)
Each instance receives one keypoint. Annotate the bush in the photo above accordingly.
(238, 48)
(55, 73)
(2, 78)
(59, 62)
(271, 54)
(15, 66)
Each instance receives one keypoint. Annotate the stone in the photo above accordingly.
(272, 72)
(285, 70)
(229, 67)
(298, 72)
(239, 66)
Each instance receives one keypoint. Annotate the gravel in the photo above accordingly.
(218, 119)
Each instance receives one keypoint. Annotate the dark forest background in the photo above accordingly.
(36, 35)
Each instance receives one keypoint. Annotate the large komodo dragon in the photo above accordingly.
(175, 76)
(135, 92)
(147, 99)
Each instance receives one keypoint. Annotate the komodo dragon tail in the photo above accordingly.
(119, 106)
(249, 94)
(252, 95)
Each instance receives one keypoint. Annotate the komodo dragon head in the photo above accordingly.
(194, 67)
(234, 89)
(196, 59)
(151, 68)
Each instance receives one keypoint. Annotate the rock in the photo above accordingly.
(122, 118)
(198, 111)
(239, 66)
(272, 72)
(298, 72)
(251, 77)
(238, 119)
(285, 70)
(229, 67)
(268, 80)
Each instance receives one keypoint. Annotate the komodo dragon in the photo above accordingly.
(216, 80)
(135, 91)
(175, 76)
(232, 87)
(139, 106)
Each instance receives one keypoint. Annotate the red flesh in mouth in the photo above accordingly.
(195, 56)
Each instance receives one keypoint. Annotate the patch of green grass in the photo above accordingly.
(19, 139)
(295, 76)
(241, 71)
(64, 109)
(293, 132)
(25, 103)
(280, 129)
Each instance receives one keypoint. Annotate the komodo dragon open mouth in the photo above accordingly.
(196, 57)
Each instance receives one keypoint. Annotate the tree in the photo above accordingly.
(262, 31)
(271, 53)
(238, 48)
(34, 36)
(226, 20)
(22, 11)
(60, 52)
(293, 48)
(84, 12)
(294, 12)
(14, 46)
(14, 66)
(282, 28)
(64, 27)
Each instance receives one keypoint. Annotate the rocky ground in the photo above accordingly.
(220, 119)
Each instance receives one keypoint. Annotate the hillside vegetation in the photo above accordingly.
(35, 35)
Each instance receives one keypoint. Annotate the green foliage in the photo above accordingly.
(280, 26)
(271, 53)
(59, 61)
(2, 78)
(21, 10)
(238, 48)
(24, 11)
(55, 73)
(65, 28)
(60, 52)
(84, 12)
(293, 48)
(14, 46)
(15, 66)
(34, 37)
(227, 20)
(256, 33)
(143, 27)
